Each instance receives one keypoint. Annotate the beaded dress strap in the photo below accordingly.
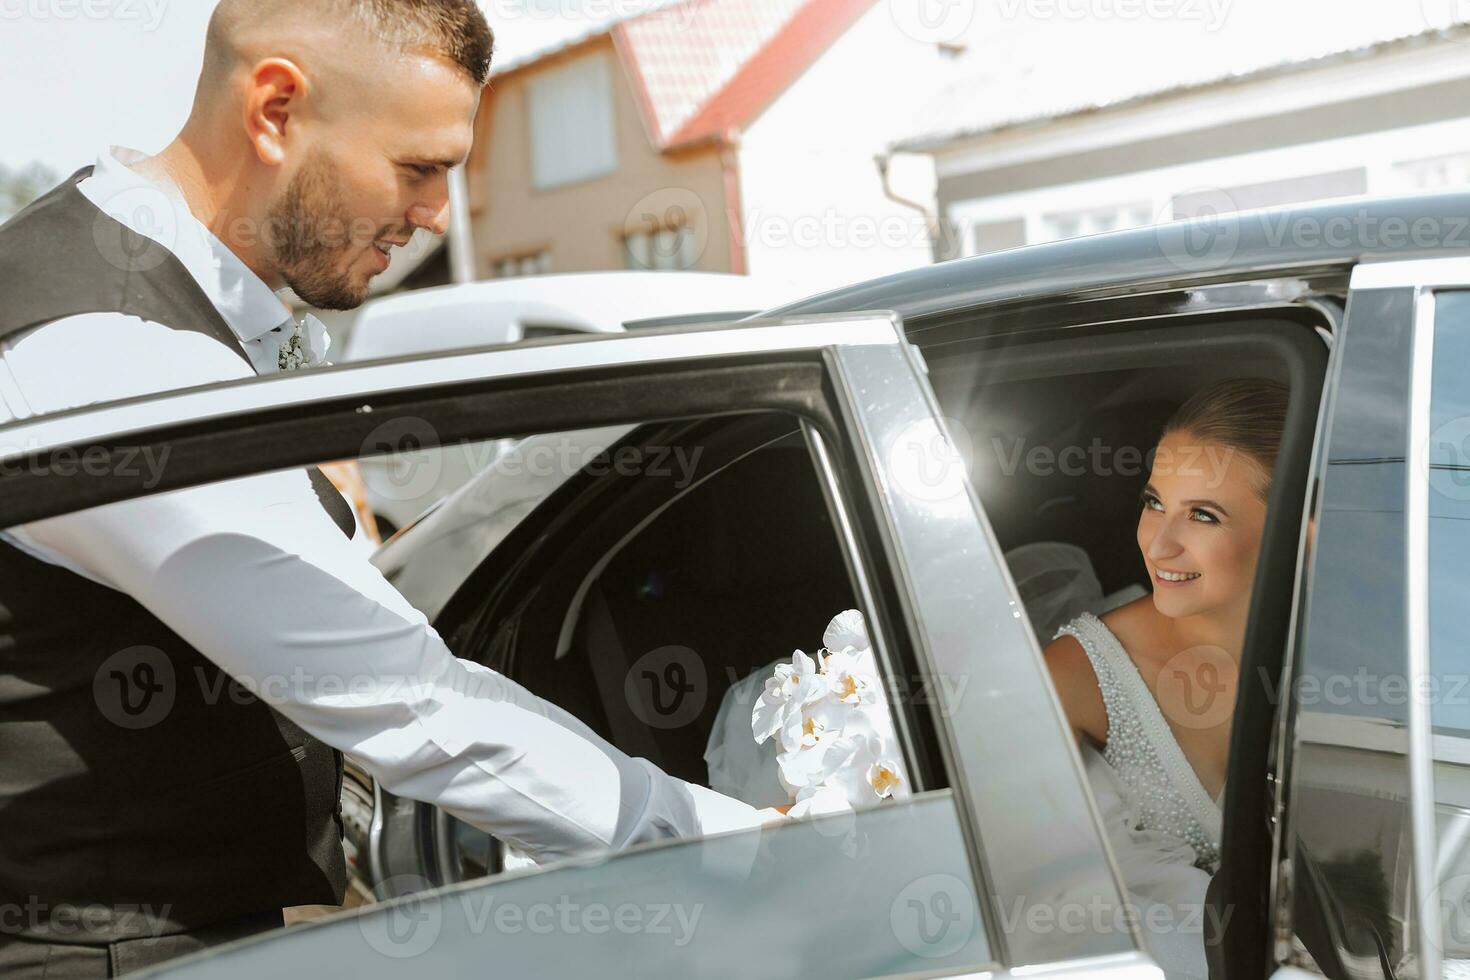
(1137, 725)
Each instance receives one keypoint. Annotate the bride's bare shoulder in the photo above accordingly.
(1076, 684)
(1133, 622)
(1140, 628)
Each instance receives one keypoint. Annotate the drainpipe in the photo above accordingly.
(461, 237)
(734, 217)
(931, 220)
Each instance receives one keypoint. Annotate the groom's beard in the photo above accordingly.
(314, 250)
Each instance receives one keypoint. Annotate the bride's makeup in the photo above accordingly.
(1198, 528)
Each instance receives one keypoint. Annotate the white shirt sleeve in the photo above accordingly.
(255, 575)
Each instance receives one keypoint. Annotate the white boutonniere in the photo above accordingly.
(305, 346)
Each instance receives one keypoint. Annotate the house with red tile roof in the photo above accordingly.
(719, 135)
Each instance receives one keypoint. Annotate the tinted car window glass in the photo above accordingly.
(1449, 585)
(1350, 754)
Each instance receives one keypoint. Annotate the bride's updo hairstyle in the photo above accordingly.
(1244, 414)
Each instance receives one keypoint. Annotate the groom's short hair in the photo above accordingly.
(454, 30)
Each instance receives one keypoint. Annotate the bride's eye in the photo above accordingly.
(1149, 502)
(1206, 517)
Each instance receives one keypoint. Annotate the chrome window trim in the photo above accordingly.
(1419, 273)
(863, 583)
(1421, 747)
(967, 622)
(377, 378)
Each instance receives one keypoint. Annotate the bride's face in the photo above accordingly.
(1200, 526)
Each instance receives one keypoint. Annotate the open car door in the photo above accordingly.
(993, 766)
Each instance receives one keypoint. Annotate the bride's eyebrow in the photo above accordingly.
(1149, 489)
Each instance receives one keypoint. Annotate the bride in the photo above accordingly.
(1149, 688)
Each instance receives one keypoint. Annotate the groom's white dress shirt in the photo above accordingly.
(256, 576)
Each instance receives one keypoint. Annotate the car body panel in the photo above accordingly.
(953, 613)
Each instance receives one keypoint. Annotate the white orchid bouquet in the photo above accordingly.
(836, 748)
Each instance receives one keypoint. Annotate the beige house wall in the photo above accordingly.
(583, 223)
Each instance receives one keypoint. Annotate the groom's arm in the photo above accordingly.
(255, 576)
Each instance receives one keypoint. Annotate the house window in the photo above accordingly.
(1094, 221)
(571, 116)
(995, 236)
(672, 247)
(1433, 173)
(527, 264)
(1271, 193)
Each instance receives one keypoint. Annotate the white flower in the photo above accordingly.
(886, 779)
(305, 346)
(836, 745)
(787, 691)
(847, 631)
(852, 676)
(817, 800)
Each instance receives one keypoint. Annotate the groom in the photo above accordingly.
(142, 815)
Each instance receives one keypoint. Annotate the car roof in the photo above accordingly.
(490, 311)
(1222, 247)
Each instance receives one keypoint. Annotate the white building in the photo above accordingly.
(1080, 135)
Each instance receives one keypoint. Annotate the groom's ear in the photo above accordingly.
(275, 92)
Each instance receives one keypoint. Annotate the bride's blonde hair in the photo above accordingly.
(1245, 414)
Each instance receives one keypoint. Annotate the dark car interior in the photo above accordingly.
(738, 571)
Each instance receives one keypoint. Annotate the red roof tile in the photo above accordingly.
(706, 66)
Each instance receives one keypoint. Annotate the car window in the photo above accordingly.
(1350, 740)
(1056, 437)
(657, 614)
(732, 575)
(1449, 583)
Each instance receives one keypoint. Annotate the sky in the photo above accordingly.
(82, 74)
(79, 75)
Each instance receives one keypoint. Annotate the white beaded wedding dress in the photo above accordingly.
(1163, 826)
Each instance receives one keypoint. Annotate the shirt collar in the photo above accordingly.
(156, 210)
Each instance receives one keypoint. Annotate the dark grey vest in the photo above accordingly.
(141, 790)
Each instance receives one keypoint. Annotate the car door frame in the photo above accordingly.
(952, 612)
(1408, 287)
